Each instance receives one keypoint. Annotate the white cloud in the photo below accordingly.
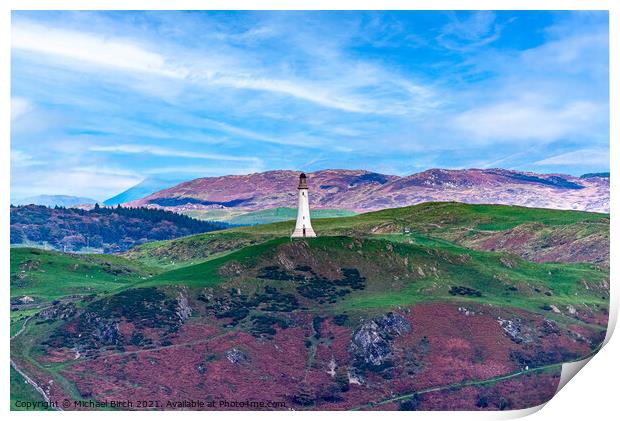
(74, 181)
(595, 157)
(250, 134)
(20, 159)
(107, 171)
(19, 106)
(572, 54)
(93, 49)
(302, 90)
(363, 88)
(158, 151)
(204, 171)
(527, 119)
(345, 131)
(479, 29)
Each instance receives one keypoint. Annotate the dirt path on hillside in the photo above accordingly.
(29, 380)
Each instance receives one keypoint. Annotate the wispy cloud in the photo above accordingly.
(204, 170)
(75, 181)
(219, 93)
(597, 157)
(527, 119)
(158, 151)
(476, 30)
(93, 49)
(23, 159)
(19, 107)
(254, 135)
(128, 55)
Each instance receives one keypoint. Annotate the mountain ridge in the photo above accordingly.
(144, 188)
(51, 200)
(363, 191)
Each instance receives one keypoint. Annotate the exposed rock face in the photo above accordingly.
(465, 311)
(231, 269)
(394, 324)
(550, 327)
(29, 265)
(183, 308)
(235, 356)
(371, 342)
(104, 331)
(58, 312)
(332, 367)
(509, 263)
(578, 337)
(516, 330)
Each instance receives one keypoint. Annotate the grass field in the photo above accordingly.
(48, 275)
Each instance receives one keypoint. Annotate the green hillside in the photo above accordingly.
(529, 269)
(48, 275)
(400, 274)
(467, 225)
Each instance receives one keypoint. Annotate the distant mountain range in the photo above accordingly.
(362, 191)
(54, 200)
(140, 190)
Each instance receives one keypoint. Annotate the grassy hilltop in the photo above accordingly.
(476, 226)
(401, 274)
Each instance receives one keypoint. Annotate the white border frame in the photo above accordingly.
(594, 399)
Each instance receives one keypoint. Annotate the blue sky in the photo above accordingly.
(102, 100)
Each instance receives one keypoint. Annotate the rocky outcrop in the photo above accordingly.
(549, 327)
(235, 356)
(516, 330)
(371, 345)
(103, 331)
(233, 268)
(57, 312)
(183, 309)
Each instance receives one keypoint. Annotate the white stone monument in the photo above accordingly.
(303, 227)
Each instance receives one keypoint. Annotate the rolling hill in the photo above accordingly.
(534, 234)
(433, 306)
(363, 191)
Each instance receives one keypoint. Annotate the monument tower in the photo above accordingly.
(303, 227)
